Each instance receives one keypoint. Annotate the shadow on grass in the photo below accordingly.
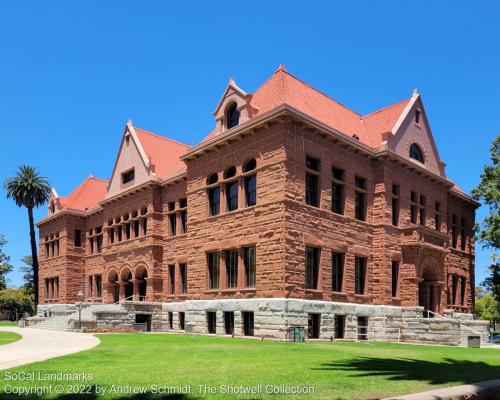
(92, 395)
(433, 372)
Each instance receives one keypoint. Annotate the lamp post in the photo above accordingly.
(80, 296)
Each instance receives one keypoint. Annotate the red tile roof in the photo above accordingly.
(163, 152)
(86, 196)
(284, 88)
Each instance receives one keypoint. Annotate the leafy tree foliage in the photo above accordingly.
(5, 266)
(488, 191)
(15, 302)
(27, 270)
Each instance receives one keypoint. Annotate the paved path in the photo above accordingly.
(479, 390)
(42, 344)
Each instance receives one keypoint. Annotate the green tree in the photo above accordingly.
(27, 270)
(5, 266)
(28, 189)
(14, 302)
(488, 191)
(487, 307)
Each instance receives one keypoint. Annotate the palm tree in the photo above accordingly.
(28, 189)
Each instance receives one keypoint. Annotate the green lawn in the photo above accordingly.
(8, 337)
(335, 370)
(8, 323)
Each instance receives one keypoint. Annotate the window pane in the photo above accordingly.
(214, 200)
(395, 278)
(251, 190)
(312, 190)
(360, 206)
(337, 271)
(337, 198)
(232, 196)
(359, 274)
(231, 268)
(312, 267)
(250, 266)
(213, 270)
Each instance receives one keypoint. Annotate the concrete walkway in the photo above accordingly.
(479, 390)
(42, 344)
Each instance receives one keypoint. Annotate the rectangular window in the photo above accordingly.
(248, 323)
(337, 271)
(98, 286)
(359, 275)
(78, 238)
(312, 163)
(413, 208)
(395, 278)
(250, 266)
(463, 240)
(182, 320)
(395, 205)
(338, 190)
(422, 210)
(437, 216)
(232, 196)
(111, 235)
(211, 322)
(170, 320)
(454, 282)
(339, 321)
(417, 116)
(312, 267)
(338, 198)
(231, 268)
(251, 190)
(128, 176)
(144, 226)
(171, 206)
(312, 190)
(362, 328)
(91, 246)
(313, 326)
(137, 226)
(462, 290)
(229, 322)
(213, 270)
(171, 279)
(214, 201)
(184, 221)
(47, 250)
(454, 235)
(173, 224)
(119, 233)
(360, 206)
(183, 203)
(183, 273)
(91, 286)
(98, 243)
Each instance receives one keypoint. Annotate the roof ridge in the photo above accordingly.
(161, 136)
(385, 108)
(316, 90)
(97, 179)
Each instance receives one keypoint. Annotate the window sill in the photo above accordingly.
(313, 291)
(180, 235)
(248, 290)
(221, 214)
(334, 293)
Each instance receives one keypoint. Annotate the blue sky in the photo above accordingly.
(72, 73)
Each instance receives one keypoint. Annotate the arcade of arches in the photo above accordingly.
(129, 284)
(430, 285)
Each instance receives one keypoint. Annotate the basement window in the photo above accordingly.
(229, 322)
(248, 323)
(211, 322)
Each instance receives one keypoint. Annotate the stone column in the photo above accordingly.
(122, 289)
(149, 289)
(135, 282)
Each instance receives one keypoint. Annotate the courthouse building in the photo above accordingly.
(293, 211)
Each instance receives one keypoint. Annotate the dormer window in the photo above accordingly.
(416, 153)
(417, 116)
(232, 116)
(128, 176)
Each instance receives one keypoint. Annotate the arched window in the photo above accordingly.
(416, 153)
(212, 179)
(250, 165)
(230, 172)
(233, 116)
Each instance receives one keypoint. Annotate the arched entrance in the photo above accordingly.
(129, 286)
(114, 286)
(429, 288)
(141, 275)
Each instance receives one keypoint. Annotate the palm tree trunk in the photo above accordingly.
(34, 254)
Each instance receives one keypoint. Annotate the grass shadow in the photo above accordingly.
(434, 372)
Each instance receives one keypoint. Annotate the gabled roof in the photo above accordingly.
(163, 153)
(86, 196)
(284, 88)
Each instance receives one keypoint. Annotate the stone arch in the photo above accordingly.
(113, 285)
(430, 285)
(141, 275)
(126, 279)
